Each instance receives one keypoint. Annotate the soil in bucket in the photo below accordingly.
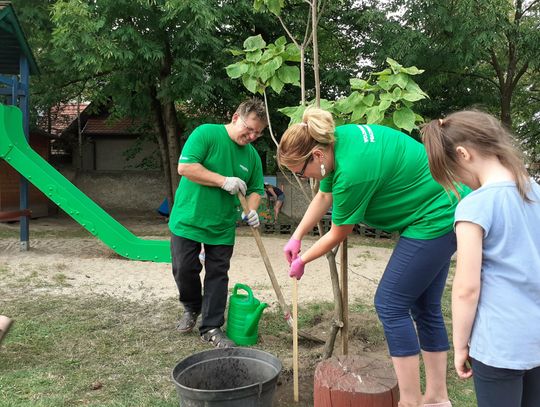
(230, 377)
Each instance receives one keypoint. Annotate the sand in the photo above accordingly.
(85, 265)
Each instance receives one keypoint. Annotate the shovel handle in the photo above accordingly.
(277, 289)
(265, 258)
(295, 339)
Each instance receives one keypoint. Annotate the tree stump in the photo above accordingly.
(359, 381)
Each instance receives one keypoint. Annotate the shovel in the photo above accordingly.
(284, 307)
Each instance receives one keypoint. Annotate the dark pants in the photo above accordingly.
(411, 289)
(496, 387)
(187, 267)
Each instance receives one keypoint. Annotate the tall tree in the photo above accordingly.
(475, 52)
(147, 57)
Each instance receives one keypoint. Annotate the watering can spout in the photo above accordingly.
(252, 320)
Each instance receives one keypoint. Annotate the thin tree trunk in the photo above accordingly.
(314, 22)
(161, 138)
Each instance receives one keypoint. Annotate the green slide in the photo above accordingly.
(17, 153)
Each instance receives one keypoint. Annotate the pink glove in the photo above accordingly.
(297, 268)
(291, 249)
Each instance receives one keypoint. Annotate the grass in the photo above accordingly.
(99, 350)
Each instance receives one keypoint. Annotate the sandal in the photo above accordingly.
(187, 322)
(217, 338)
(443, 404)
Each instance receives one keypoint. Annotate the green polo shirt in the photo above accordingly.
(382, 178)
(208, 214)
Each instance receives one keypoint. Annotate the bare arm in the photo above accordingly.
(465, 291)
(197, 173)
(272, 192)
(335, 236)
(314, 213)
(253, 201)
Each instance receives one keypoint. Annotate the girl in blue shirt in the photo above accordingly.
(496, 289)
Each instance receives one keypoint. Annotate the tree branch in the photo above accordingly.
(534, 3)
(520, 73)
(288, 32)
(497, 67)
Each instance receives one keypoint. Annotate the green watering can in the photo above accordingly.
(244, 314)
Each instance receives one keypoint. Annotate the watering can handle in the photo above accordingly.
(244, 287)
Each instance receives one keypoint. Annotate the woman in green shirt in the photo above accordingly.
(379, 176)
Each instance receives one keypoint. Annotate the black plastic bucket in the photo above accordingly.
(230, 377)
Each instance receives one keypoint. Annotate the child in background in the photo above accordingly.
(496, 288)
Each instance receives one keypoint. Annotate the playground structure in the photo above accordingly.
(15, 150)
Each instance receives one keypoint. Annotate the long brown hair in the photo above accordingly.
(299, 140)
(480, 131)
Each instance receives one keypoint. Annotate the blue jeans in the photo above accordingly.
(496, 387)
(411, 289)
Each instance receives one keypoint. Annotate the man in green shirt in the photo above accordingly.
(216, 163)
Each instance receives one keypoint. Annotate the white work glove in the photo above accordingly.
(252, 218)
(233, 185)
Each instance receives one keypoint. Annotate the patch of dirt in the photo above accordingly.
(74, 264)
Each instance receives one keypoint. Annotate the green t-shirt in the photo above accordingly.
(382, 178)
(208, 214)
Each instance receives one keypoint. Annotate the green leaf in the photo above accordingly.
(276, 84)
(412, 96)
(384, 84)
(369, 99)
(289, 74)
(291, 53)
(294, 112)
(281, 41)
(396, 94)
(267, 70)
(254, 56)
(326, 105)
(394, 65)
(413, 87)
(383, 72)
(400, 80)
(250, 83)
(236, 70)
(268, 54)
(274, 6)
(257, 4)
(358, 114)
(357, 83)
(348, 104)
(412, 70)
(384, 105)
(254, 43)
(404, 118)
(236, 52)
(374, 115)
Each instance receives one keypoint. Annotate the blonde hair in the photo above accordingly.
(475, 129)
(300, 139)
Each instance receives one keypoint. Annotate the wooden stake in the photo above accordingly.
(295, 338)
(345, 298)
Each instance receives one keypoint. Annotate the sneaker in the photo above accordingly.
(217, 338)
(187, 322)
